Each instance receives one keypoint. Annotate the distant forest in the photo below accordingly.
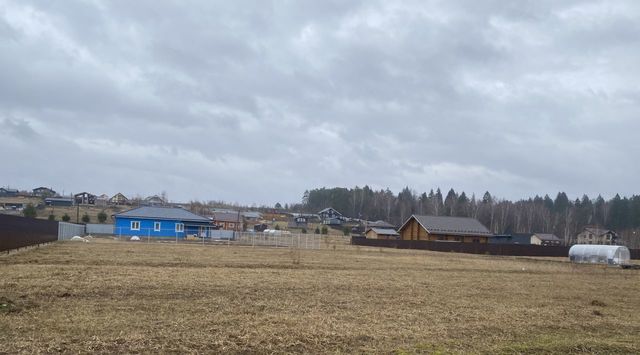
(559, 215)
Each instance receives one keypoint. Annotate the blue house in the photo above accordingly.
(161, 222)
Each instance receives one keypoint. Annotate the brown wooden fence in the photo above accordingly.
(473, 248)
(18, 232)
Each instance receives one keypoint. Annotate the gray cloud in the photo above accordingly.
(257, 101)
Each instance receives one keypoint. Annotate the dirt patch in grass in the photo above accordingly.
(113, 297)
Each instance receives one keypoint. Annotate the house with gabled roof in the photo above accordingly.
(119, 199)
(444, 229)
(171, 222)
(597, 235)
(330, 216)
(43, 192)
(7, 192)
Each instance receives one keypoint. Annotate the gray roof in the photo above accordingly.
(170, 213)
(227, 217)
(330, 209)
(598, 231)
(379, 224)
(462, 226)
(384, 231)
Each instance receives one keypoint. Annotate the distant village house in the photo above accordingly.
(596, 235)
(84, 198)
(43, 192)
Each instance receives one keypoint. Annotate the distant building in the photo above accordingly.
(515, 238)
(252, 215)
(43, 192)
(84, 198)
(545, 239)
(7, 192)
(382, 233)
(228, 221)
(298, 222)
(445, 229)
(119, 199)
(58, 201)
(154, 200)
(595, 235)
(330, 216)
(161, 222)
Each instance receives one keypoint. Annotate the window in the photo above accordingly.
(179, 227)
(156, 226)
(135, 225)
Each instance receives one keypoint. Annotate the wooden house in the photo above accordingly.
(382, 233)
(228, 220)
(450, 229)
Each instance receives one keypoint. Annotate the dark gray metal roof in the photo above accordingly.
(452, 226)
(170, 213)
(380, 224)
(384, 231)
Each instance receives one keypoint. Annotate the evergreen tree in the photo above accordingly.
(30, 211)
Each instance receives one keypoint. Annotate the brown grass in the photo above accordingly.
(111, 297)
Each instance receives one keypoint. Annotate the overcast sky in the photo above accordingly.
(257, 101)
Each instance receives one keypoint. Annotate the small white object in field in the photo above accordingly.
(523, 269)
(135, 238)
(78, 239)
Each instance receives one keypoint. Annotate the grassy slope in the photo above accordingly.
(125, 297)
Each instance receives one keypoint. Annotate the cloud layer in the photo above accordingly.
(256, 101)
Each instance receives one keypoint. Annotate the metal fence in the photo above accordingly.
(299, 241)
(18, 232)
(94, 228)
(227, 237)
(67, 230)
(472, 248)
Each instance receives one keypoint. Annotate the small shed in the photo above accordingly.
(599, 254)
(382, 233)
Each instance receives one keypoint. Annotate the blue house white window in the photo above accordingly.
(135, 225)
(156, 226)
(179, 227)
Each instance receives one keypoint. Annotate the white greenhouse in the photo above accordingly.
(599, 254)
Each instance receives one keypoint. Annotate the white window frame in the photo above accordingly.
(156, 226)
(179, 227)
(135, 225)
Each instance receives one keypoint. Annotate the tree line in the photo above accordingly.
(540, 214)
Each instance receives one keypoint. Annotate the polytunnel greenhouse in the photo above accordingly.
(599, 254)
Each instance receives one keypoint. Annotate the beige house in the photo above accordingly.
(545, 239)
(595, 235)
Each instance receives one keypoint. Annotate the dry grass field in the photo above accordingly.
(115, 296)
